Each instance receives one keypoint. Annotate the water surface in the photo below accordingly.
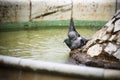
(45, 44)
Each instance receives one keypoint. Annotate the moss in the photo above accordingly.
(8, 26)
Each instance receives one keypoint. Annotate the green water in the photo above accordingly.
(46, 45)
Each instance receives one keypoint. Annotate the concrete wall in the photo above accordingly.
(14, 10)
(37, 10)
(93, 9)
(50, 10)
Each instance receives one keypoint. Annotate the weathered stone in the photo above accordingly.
(84, 59)
(95, 50)
(103, 50)
(113, 38)
(117, 54)
(89, 43)
(101, 36)
(117, 26)
(98, 35)
(110, 29)
(108, 24)
(118, 11)
(118, 38)
(118, 41)
(105, 37)
(110, 48)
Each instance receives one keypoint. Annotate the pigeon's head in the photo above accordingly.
(72, 35)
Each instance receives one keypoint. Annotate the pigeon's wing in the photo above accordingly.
(72, 27)
(83, 41)
(68, 42)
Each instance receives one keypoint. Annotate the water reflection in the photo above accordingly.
(5, 74)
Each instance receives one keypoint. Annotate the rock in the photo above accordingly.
(105, 37)
(84, 59)
(110, 48)
(95, 50)
(113, 38)
(117, 26)
(103, 50)
(117, 54)
(108, 37)
(90, 43)
(110, 29)
(110, 26)
(118, 40)
(118, 12)
(99, 34)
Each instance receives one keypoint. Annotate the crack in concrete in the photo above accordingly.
(62, 8)
(30, 11)
(46, 14)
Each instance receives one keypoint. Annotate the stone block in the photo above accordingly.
(110, 48)
(98, 34)
(118, 40)
(14, 10)
(110, 26)
(117, 54)
(101, 35)
(105, 37)
(113, 38)
(95, 50)
(117, 26)
(50, 10)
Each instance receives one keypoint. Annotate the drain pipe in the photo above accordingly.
(36, 65)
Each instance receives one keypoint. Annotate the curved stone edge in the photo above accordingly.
(36, 65)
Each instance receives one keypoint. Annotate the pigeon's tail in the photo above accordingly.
(72, 27)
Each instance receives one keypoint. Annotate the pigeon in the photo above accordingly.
(74, 39)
